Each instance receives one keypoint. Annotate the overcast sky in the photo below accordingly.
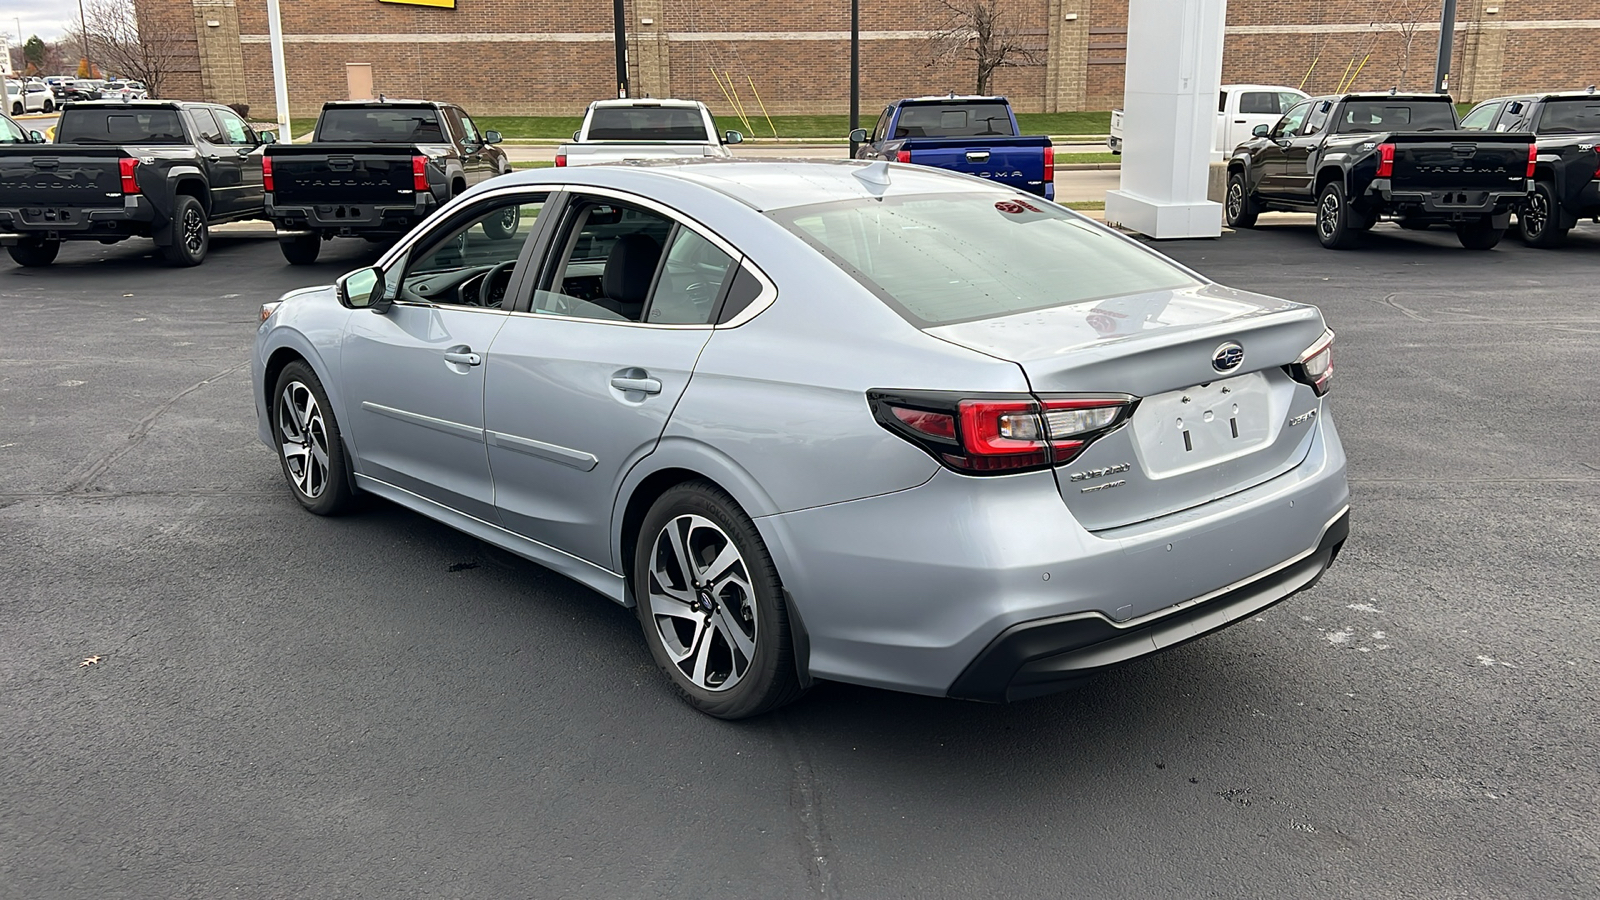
(46, 18)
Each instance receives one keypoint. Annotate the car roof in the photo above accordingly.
(645, 102)
(1262, 87)
(768, 184)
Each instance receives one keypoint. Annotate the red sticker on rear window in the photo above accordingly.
(1016, 207)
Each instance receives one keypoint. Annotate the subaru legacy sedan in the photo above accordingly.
(866, 422)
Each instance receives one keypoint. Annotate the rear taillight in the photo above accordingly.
(1314, 367)
(1533, 158)
(419, 173)
(266, 174)
(1385, 160)
(561, 160)
(997, 434)
(902, 156)
(1049, 164)
(128, 166)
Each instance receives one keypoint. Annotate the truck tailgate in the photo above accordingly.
(342, 173)
(1459, 161)
(1017, 162)
(60, 176)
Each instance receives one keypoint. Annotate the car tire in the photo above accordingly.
(34, 253)
(311, 449)
(191, 233)
(49, 107)
(1414, 225)
(1479, 235)
(1539, 222)
(1337, 224)
(16, 109)
(711, 605)
(301, 251)
(504, 226)
(1239, 205)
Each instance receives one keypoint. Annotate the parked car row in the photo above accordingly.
(1357, 159)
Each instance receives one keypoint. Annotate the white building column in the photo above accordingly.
(1174, 70)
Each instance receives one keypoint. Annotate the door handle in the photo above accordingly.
(462, 357)
(1238, 121)
(212, 157)
(636, 379)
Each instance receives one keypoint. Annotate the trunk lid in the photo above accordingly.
(60, 176)
(1459, 161)
(1197, 434)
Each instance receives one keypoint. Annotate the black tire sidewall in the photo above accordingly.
(1552, 234)
(301, 251)
(771, 680)
(1481, 235)
(178, 252)
(336, 497)
(1247, 208)
(1344, 232)
(32, 254)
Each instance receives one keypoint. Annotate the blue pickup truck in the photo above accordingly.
(971, 135)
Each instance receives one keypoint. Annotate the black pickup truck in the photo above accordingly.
(1355, 159)
(1566, 175)
(374, 169)
(158, 169)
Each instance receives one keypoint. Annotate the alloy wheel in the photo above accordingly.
(702, 603)
(303, 437)
(193, 229)
(1235, 200)
(1328, 215)
(1536, 216)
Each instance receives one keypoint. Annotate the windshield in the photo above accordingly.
(647, 123)
(1570, 117)
(119, 126)
(941, 120)
(385, 125)
(1373, 116)
(944, 258)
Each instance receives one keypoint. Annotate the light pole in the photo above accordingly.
(855, 72)
(620, 27)
(1447, 33)
(83, 25)
(280, 81)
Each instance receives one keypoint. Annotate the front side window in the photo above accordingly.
(469, 130)
(234, 129)
(469, 261)
(881, 130)
(1480, 118)
(10, 133)
(938, 259)
(1289, 125)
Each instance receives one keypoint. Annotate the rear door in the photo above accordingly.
(581, 386)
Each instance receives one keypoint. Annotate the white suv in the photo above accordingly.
(35, 96)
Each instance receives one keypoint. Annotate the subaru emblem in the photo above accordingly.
(1227, 357)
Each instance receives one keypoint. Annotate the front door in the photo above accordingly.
(1300, 156)
(247, 149)
(414, 374)
(1272, 157)
(224, 168)
(581, 389)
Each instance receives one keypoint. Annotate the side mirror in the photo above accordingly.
(575, 134)
(36, 137)
(267, 137)
(363, 289)
(491, 137)
(859, 136)
(1261, 130)
(732, 137)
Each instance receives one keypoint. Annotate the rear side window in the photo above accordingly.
(107, 126)
(938, 259)
(207, 123)
(1570, 117)
(1373, 116)
(647, 123)
(941, 120)
(380, 126)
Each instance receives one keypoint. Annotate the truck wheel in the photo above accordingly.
(1539, 221)
(34, 253)
(1338, 226)
(16, 109)
(1479, 235)
(301, 251)
(191, 235)
(1240, 207)
(49, 106)
(503, 226)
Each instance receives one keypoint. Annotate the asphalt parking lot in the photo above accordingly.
(377, 706)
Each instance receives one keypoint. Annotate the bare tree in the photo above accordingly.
(144, 46)
(975, 30)
(1408, 15)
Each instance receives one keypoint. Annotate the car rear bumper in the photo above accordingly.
(297, 220)
(135, 217)
(989, 589)
(1445, 206)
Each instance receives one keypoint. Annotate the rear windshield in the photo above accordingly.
(119, 126)
(387, 125)
(1373, 116)
(940, 120)
(647, 123)
(1570, 117)
(938, 259)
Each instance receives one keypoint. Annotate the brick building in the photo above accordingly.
(510, 57)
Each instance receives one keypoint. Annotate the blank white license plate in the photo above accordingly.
(1181, 431)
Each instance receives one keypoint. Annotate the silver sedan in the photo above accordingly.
(872, 423)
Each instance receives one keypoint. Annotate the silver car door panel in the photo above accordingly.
(418, 416)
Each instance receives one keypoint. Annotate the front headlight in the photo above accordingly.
(267, 309)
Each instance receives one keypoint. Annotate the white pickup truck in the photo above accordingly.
(1240, 108)
(615, 130)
